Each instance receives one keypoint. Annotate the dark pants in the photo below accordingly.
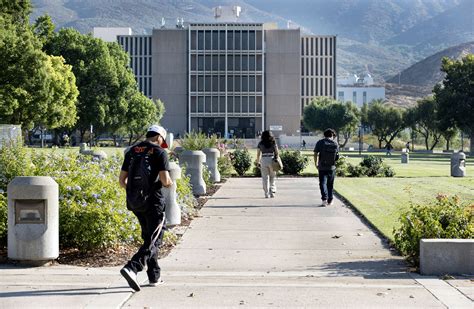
(326, 184)
(152, 223)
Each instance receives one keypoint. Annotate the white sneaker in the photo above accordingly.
(324, 203)
(330, 203)
(131, 278)
(159, 282)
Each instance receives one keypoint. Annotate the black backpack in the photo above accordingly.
(327, 156)
(139, 184)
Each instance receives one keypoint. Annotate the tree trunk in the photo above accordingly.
(380, 144)
(472, 144)
(447, 144)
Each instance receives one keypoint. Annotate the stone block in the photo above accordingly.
(447, 256)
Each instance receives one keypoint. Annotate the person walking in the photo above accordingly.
(144, 172)
(389, 149)
(326, 153)
(267, 151)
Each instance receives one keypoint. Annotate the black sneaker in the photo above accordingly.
(131, 278)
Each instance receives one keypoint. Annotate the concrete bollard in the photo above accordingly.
(212, 154)
(192, 161)
(33, 219)
(173, 211)
(405, 157)
(458, 164)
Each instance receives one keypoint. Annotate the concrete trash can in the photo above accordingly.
(405, 157)
(33, 219)
(458, 164)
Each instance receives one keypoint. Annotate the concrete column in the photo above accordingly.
(212, 154)
(173, 211)
(405, 157)
(192, 161)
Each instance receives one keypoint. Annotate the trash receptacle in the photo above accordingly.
(405, 157)
(458, 164)
(33, 219)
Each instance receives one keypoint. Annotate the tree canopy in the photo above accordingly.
(456, 94)
(386, 122)
(323, 113)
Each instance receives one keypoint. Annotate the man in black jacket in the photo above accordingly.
(326, 154)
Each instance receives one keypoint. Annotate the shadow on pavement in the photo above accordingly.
(371, 269)
(67, 292)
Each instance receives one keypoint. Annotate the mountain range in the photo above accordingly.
(382, 37)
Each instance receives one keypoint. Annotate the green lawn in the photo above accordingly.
(381, 200)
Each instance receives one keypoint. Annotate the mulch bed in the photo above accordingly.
(112, 256)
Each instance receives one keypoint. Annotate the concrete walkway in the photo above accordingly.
(245, 250)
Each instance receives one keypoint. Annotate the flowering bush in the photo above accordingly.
(224, 161)
(446, 217)
(185, 197)
(293, 162)
(92, 210)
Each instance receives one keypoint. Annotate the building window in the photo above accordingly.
(230, 40)
(200, 83)
(222, 40)
(245, 104)
(193, 40)
(245, 63)
(207, 104)
(252, 83)
(237, 40)
(193, 105)
(230, 63)
(259, 63)
(208, 64)
(230, 104)
(207, 40)
(193, 83)
(252, 63)
(215, 104)
(340, 96)
(222, 104)
(222, 63)
(354, 96)
(200, 105)
(215, 83)
(215, 62)
(200, 40)
(237, 83)
(215, 40)
(237, 66)
(222, 83)
(259, 83)
(237, 106)
(245, 40)
(259, 40)
(207, 83)
(230, 83)
(193, 62)
(252, 40)
(245, 84)
(200, 63)
(252, 104)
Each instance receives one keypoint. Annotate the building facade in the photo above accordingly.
(318, 67)
(359, 90)
(232, 79)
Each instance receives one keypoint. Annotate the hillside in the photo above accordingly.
(379, 36)
(427, 72)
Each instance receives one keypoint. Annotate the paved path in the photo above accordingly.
(245, 250)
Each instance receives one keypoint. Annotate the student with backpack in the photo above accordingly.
(326, 154)
(144, 172)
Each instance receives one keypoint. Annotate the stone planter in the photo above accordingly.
(173, 211)
(192, 161)
(212, 154)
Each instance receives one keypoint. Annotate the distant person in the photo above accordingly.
(407, 146)
(326, 153)
(267, 150)
(144, 172)
(304, 144)
(389, 148)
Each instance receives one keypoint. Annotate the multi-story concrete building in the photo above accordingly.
(231, 78)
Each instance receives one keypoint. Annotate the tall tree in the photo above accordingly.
(456, 94)
(423, 118)
(17, 10)
(33, 86)
(141, 113)
(105, 82)
(44, 28)
(386, 122)
(323, 113)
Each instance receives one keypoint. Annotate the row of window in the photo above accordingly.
(340, 96)
(317, 66)
(311, 87)
(216, 40)
(141, 65)
(235, 104)
(136, 45)
(234, 83)
(315, 46)
(144, 85)
(232, 63)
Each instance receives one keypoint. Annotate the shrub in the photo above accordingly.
(3, 220)
(342, 166)
(224, 164)
(15, 160)
(447, 217)
(206, 175)
(372, 164)
(241, 161)
(198, 141)
(356, 170)
(293, 162)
